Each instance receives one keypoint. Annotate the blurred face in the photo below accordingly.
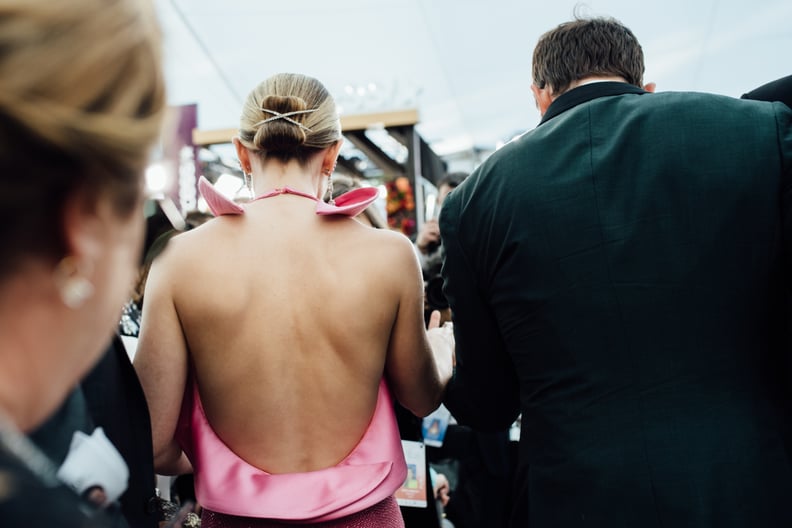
(107, 247)
(119, 242)
(442, 192)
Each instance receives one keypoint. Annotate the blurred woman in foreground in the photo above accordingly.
(81, 99)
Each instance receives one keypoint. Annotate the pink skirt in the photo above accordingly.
(385, 514)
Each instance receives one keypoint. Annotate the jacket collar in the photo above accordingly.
(586, 93)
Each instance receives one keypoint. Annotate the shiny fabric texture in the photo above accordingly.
(224, 483)
(384, 514)
(350, 203)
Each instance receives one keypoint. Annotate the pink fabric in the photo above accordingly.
(218, 204)
(350, 203)
(225, 483)
(385, 514)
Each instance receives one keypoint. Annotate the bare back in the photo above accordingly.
(288, 319)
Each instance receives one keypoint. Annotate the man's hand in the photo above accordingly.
(441, 339)
(441, 489)
(428, 235)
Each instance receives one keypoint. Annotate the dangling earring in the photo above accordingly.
(329, 174)
(72, 283)
(248, 177)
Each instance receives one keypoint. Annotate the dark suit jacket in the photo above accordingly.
(618, 275)
(27, 500)
(778, 90)
(481, 485)
(111, 397)
(116, 403)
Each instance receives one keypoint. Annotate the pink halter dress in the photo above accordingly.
(356, 492)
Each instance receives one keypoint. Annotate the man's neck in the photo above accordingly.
(591, 80)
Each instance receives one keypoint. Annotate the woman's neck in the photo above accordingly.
(275, 174)
(33, 339)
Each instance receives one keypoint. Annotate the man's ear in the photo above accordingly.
(650, 87)
(542, 97)
(243, 154)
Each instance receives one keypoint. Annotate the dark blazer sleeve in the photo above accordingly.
(483, 392)
(784, 120)
(778, 90)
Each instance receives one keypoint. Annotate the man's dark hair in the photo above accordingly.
(583, 48)
(452, 179)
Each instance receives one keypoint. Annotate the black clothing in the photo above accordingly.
(117, 404)
(619, 276)
(778, 90)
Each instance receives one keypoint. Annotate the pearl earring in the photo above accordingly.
(72, 283)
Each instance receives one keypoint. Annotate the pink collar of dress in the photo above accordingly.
(350, 203)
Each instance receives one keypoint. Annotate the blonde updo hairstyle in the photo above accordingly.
(314, 126)
(82, 95)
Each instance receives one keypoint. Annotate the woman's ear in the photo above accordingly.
(84, 233)
(243, 154)
(331, 156)
(83, 223)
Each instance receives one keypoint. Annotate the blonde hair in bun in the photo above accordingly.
(289, 116)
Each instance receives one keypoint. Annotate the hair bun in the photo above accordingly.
(282, 125)
(289, 116)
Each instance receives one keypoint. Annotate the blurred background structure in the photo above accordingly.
(456, 72)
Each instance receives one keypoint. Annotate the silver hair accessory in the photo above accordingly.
(286, 116)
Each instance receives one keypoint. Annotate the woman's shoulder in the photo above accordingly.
(392, 242)
(203, 237)
(188, 249)
(390, 252)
